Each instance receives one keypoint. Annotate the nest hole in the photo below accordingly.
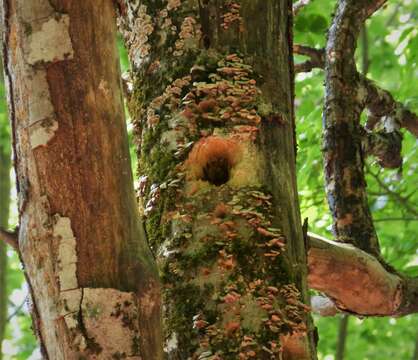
(217, 171)
(212, 159)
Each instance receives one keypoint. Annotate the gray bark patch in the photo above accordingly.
(51, 42)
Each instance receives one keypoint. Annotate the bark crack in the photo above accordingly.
(91, 344)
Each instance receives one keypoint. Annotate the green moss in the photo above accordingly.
(153, 228)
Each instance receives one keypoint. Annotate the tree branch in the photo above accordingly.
(385, 147)
(17, 309)
(381, 104)
(378, 101)
(371, 6)
(299, 5)
(10, 238)
(357, 282)
(316, 58)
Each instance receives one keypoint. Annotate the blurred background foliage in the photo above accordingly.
(388, 53)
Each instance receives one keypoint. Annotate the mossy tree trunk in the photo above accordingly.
(91, 275)
(212, 102)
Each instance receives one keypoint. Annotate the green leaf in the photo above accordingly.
(318, 24)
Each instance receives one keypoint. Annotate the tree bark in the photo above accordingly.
(91, 275)
(213, 108)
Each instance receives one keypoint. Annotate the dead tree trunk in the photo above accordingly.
(212, 102)
(91, 275)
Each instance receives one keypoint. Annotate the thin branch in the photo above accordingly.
(371, 7)
(316, 58)
(299, 5)
(10, 238)
(393, 16)
(399, 198)
(358, 282)
(17, 309)
(342, 337)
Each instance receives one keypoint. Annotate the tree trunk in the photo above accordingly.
(91, 275)
(212, 103)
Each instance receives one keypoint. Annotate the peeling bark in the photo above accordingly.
(80, 238)
(212, 104)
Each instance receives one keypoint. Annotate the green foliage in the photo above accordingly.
(370, 338)
(314, 23)
(4, 126)
(20, 342)
(123, 56)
